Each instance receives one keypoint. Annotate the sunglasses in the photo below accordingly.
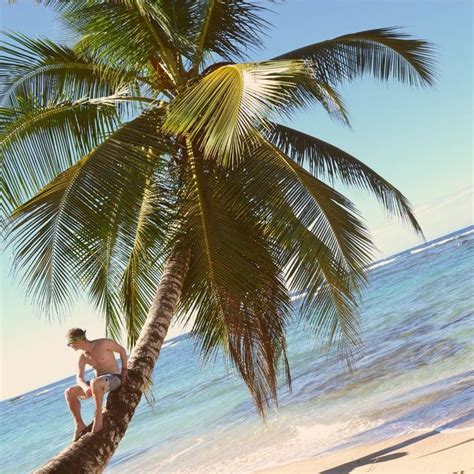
(74, 339)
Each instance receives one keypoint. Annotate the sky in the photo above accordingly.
(418, 139)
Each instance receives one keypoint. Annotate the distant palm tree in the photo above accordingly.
(146, 156)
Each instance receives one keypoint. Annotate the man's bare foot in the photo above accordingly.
(97, 426)
(78, 432)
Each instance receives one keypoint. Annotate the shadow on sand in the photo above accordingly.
(384, 454)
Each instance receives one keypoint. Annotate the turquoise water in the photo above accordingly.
(414, 372)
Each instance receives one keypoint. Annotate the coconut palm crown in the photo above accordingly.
(151, 138)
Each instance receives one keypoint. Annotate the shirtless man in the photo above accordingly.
(99, 354)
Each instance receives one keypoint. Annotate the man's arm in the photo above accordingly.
(80, 375)
(114, 346)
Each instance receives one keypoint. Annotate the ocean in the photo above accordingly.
(414, 371)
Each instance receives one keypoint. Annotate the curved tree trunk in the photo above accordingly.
(92, 452)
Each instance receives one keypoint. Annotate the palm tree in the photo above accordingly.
(147, 167)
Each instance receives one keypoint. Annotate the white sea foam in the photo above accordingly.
(173, 457)
(43, 392)
(282, 445)
(170, 344)
(382, 263)
(466, 233)
(435, 244)
(311, 432)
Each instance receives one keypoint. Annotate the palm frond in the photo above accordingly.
(327, 161)
(38, 143)
(233, 286)
(226, 109)
(82, 221)
(144, 254)
(149, 33)
(48, 71)
(44, 246)
(226, 28)
(330, 215)
(313, 262)
(330, 299)
(384, 53)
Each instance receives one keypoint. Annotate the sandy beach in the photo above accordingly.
(450, 451)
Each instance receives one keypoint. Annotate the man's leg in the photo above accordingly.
(98, 387)
(72, 395)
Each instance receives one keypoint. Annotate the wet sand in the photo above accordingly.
(447, 452)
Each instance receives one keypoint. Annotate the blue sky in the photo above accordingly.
(418, 139)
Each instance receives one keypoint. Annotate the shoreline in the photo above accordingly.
(422, 451)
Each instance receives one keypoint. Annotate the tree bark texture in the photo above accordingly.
(91, 452)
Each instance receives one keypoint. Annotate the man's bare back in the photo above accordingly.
(100, 355)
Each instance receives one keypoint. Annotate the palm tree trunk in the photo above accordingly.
(92, 452)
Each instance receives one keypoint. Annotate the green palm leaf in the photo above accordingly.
(149, 33)
(144, 254)
(38, 143)
(48, 71)
(44, 251)
(384, 53)
(330, 215)
(327, 161)
(227, 28)
(329, 272)
(225, 111)
(233, 286)
(84, 219)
